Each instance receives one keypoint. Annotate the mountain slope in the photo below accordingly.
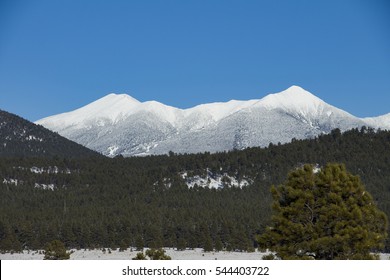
(21, 138)
(379, 122)
(119, 124)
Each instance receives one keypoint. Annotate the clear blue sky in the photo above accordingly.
(56, 56)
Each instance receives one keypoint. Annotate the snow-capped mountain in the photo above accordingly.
(119, 124)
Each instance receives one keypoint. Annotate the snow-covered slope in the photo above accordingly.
(110, 109)
(119, 124)
(379, 122)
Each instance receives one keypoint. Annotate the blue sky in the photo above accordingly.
(56, 56)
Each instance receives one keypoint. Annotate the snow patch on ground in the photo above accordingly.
(49, 170)
(99, 254)
(214, 181)
(10, 181)
(32, 137)
(45, 186)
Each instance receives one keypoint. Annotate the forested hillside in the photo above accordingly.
(120, 202)
(22, 138)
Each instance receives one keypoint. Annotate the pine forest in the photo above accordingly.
(157, 201)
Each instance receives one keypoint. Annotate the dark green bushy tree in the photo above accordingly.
(139, 256)
(324, 214)
(55, 250)
(153, 254)
(157, 254)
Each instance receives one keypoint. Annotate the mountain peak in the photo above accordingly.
(295, 89)
(294, 93)
(294, 98)
(122, 97)
(110, 107)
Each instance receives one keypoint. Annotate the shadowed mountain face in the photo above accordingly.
(119, 124)
(21, 138)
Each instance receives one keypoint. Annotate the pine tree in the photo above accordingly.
(139, 256)
(153, 254)
(208, 244)
(55, 250)
(218, 244)
(181, 244)
(157, 254)
(324, 214)
(139, 243)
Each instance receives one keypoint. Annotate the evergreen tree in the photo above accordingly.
(55, 250)
(208, 244)
(181, 244)
(139, 256)
(157, 254)
(153, 254)
(325, 214)
(218, 244)
(139, 243)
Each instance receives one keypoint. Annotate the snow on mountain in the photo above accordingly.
(119, 124)
(379, 122)
(220, 110)
(110, 108)
(308, 108)
(293, 99)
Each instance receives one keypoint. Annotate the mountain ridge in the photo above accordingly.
(119, 124)
(22, 138)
